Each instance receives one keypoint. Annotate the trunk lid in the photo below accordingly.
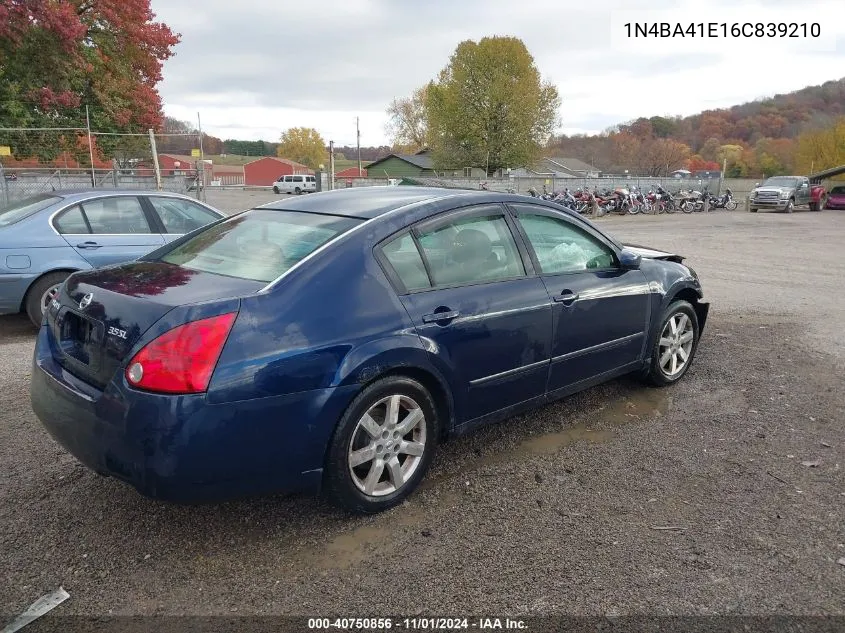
(101, 314)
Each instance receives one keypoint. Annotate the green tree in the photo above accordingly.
(303, 145)
(489, 107)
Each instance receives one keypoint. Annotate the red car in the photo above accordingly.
(836, 198)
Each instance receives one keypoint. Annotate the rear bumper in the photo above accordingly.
(835, 204)
(13, 287)
(180, 448)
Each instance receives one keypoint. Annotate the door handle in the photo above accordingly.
(438, 317)
(88, 245)
(567, 297)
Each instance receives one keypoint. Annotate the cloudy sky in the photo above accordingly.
(253, 68)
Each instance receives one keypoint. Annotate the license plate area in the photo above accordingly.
(80, 338)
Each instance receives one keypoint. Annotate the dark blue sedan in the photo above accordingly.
(328, 343)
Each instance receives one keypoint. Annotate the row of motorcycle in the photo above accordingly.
(625, 201)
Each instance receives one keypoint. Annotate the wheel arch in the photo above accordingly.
(58, 269)
(410, 361)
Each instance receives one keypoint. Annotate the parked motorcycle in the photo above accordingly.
(725, 201)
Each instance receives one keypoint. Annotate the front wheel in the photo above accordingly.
(275, 190)
(687, 207)
(790, 206)
(382, 447)
(675, 346)
(298, 191)
(730, 206)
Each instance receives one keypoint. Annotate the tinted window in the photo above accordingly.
(838, 191)
(121, 215)
(16, 211)
(181, 216)
(297, 178)
(288, 178)
(259, 245)
(562, 247)
(311, 179)
(472, 249)
(71, 221)
(405, 259)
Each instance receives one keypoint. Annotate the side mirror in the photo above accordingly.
(629, 260)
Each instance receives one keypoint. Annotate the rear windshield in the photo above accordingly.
(20, 209)
(260, 244)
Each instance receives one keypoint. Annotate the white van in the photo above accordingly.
(299, 183)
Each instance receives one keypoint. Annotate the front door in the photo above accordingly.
(601, 310)
(485, 320)
(108, 230)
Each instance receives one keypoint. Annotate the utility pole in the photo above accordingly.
(331, 165)
(201, 170)
(358, 132)
(90, 147)
(155, 159)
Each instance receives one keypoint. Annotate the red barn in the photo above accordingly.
(351, 172)
(177, 165)
(263, 172)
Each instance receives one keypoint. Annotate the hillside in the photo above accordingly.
(755, 138)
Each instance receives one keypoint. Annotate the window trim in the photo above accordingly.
(446, 217)
(552, 213)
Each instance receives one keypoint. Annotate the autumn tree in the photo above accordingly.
(489, 106)
(58, 57)
(822, 149)
(303, 145)
(407, 124)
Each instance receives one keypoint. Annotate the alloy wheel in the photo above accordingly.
(387, 445)
(675, 345)
(51, 293)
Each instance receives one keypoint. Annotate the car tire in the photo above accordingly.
(38, 295)
(677, 322)
(752, 209)
(298, 191)
(275, 190)
(367, 432)
(790, 206)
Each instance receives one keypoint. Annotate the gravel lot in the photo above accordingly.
(558, 511)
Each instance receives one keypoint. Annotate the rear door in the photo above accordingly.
(177, 216)
(601, 310)
(474, 301)
(108, 230)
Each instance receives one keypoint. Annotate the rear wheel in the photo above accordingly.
(298, 191)
(382, 447)
(675, 346)
(41, 293)
(730, 206)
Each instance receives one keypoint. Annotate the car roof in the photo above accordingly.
(87, 193)
(371, 202)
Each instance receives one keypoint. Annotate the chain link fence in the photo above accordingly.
(42, 160)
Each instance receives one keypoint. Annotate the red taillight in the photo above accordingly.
(182, 359)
